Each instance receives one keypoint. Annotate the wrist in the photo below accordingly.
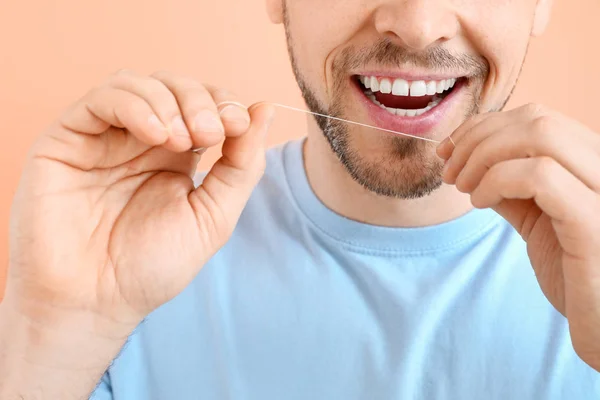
(48, 314)
(57, 352)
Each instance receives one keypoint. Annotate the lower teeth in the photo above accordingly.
(405, 113)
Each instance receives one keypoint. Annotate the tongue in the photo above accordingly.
(403, 102)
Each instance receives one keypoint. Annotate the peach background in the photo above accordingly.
(53, 51)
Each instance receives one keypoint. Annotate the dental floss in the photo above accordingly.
(330, 117)
(235, 103)
(352, 122)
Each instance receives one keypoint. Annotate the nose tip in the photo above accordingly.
(416, 25)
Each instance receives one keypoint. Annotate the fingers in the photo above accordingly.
(163, 109)
(226, 189)
(445, 149)
(570, 204)
(524, 132)
(553, 188)
(481, 126)
(527, 141)
(163, 102)
(158, 159)
(234, 115)
(107, 106)
(198, 108)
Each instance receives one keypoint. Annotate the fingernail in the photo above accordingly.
(235, 114)
(445, 144)
(209, 122)
(178, 127)
(445, 148)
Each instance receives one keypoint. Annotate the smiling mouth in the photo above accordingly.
(406, 98)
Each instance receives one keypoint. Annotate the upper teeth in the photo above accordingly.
(400, 87)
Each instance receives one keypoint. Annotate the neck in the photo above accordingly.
(334, 186)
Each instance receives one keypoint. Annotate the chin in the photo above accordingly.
(395, 166)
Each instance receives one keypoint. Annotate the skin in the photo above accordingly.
(117, 182)
(466, 29)
(114, 173)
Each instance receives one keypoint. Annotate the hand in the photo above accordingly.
(106, 221)
(540, 171)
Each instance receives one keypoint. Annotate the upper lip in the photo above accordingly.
(410, 75)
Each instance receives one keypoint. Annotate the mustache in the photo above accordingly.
(386, 53)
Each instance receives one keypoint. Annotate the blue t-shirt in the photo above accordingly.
(304, 304)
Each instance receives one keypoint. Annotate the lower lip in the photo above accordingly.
(422, 125)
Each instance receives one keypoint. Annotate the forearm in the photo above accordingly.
(63, 360)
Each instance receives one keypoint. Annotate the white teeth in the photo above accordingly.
(374, 100)
(441, 86)
(400, 88)
(409, 113)
(418, 89)
(385, 86)
(431, 88)
(405, 113)
(374, 84)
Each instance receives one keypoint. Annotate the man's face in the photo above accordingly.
(420, 67)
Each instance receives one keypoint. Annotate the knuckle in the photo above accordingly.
(119, 80)
(156, 87)
(193, 88)
(533, 110)
(483, 155)
(224, 93)
(480, 117)
(493, 174)
(123, 71)
(196, 97)
(542, 135)
(542, 125)
(544, 168)
(161, 74)
(178, 81)
(94, 92)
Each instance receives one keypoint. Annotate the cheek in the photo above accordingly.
(319, 30)
(500, 31)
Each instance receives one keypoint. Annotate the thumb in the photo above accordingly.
(230, 182)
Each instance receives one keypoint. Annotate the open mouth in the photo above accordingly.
(406, 98)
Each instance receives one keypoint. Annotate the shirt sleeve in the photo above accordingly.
(104, 390)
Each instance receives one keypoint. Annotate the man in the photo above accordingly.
(357, 267)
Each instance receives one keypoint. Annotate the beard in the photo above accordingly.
(405, 168)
